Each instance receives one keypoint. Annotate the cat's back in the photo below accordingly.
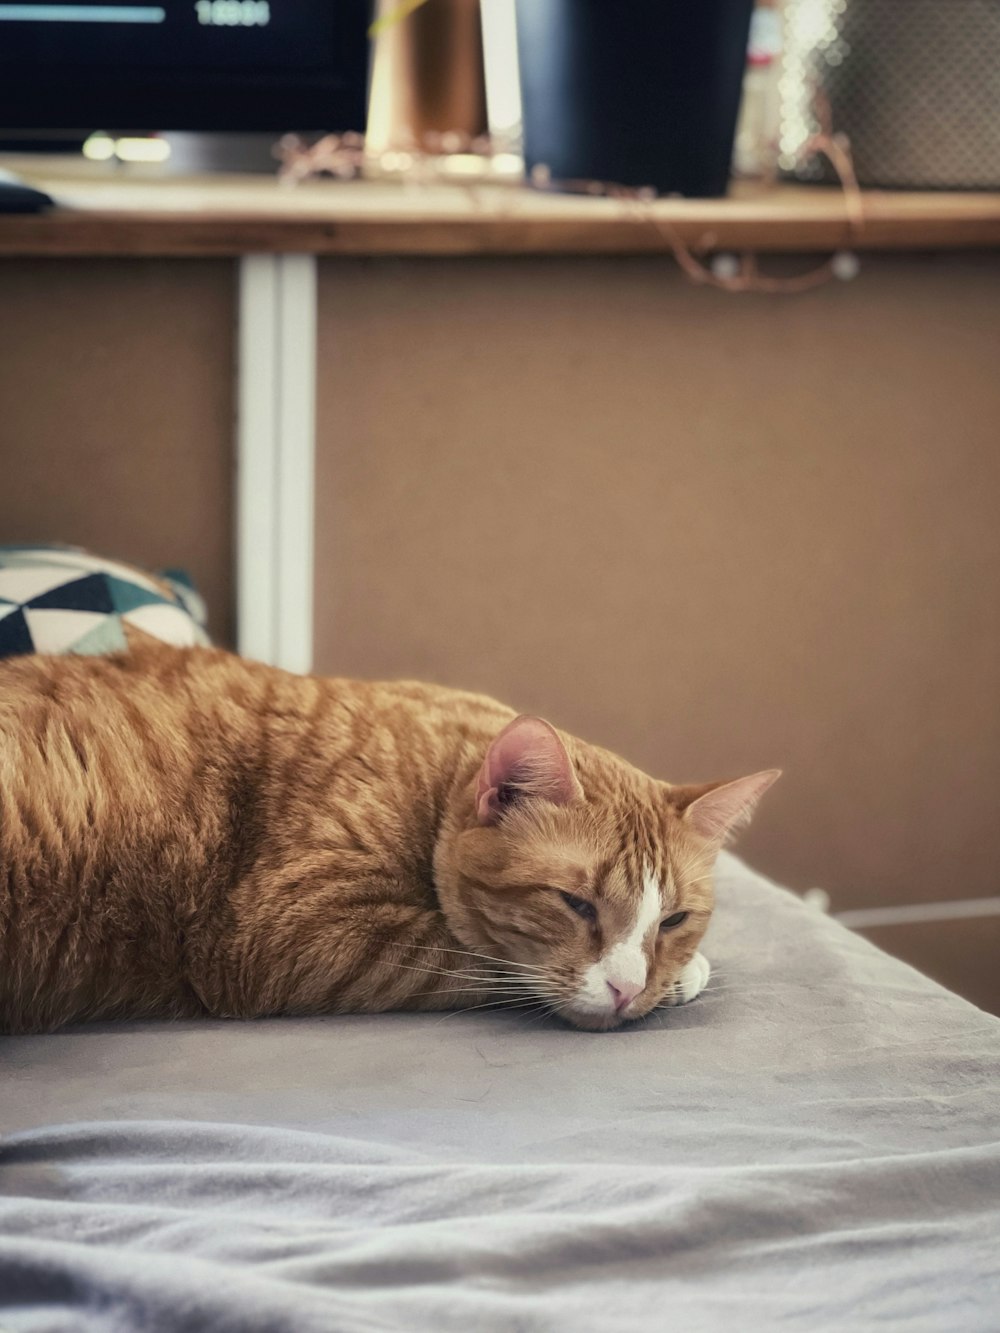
(135, 791)
(173, 742)
(68, 722)
(157, 719)
(108, 762)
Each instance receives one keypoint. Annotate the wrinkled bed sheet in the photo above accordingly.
(811, 1145)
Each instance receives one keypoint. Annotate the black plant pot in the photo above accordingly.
(634, 92)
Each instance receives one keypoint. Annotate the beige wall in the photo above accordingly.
(715, 533)
(116, 409)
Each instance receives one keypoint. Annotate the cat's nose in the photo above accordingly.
(624, 992)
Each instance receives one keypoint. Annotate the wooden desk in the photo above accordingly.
(115, 213)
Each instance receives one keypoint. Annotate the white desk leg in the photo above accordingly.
(275, 459)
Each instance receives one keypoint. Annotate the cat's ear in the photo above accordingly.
(718, 809)
(526, 760)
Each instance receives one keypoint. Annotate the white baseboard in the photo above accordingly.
(865, 918)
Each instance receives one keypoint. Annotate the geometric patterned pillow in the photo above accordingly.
(60, 599)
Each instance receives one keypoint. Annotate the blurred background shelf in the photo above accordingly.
(227, 215)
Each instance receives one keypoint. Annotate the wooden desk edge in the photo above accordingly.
(106, 233)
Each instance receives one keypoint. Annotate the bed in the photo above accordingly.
(812, 1144)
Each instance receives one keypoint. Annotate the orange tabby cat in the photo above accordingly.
(183, 833)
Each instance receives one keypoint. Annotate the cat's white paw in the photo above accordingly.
(691, 982)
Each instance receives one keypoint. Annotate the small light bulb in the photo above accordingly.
(99, 148)
(130, 149)
(845, 265)
(725, 267)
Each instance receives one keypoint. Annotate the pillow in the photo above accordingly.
(60, 599)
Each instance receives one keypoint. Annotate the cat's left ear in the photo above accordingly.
(526, 760)
(718, 809)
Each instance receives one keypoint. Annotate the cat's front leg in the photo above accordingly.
(691, 982)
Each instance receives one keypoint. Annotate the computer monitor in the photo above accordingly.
(219, 65)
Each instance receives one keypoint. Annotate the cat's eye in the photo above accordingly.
(580, 906)
(672, 922)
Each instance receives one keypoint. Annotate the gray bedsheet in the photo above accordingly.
(811, 1145)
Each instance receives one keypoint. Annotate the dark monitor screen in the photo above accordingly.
(184, 65)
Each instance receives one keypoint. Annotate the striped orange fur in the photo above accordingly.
(185, 833)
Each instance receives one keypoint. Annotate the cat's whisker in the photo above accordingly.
(496, 1004)
(459, 990)
(543, 1011)
(515, 987)
(530, 969)
(534, 1005)
(482, 981)
(486, 973)
(419, 995)
(502, 988)
(471, 953)
(441, 972)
